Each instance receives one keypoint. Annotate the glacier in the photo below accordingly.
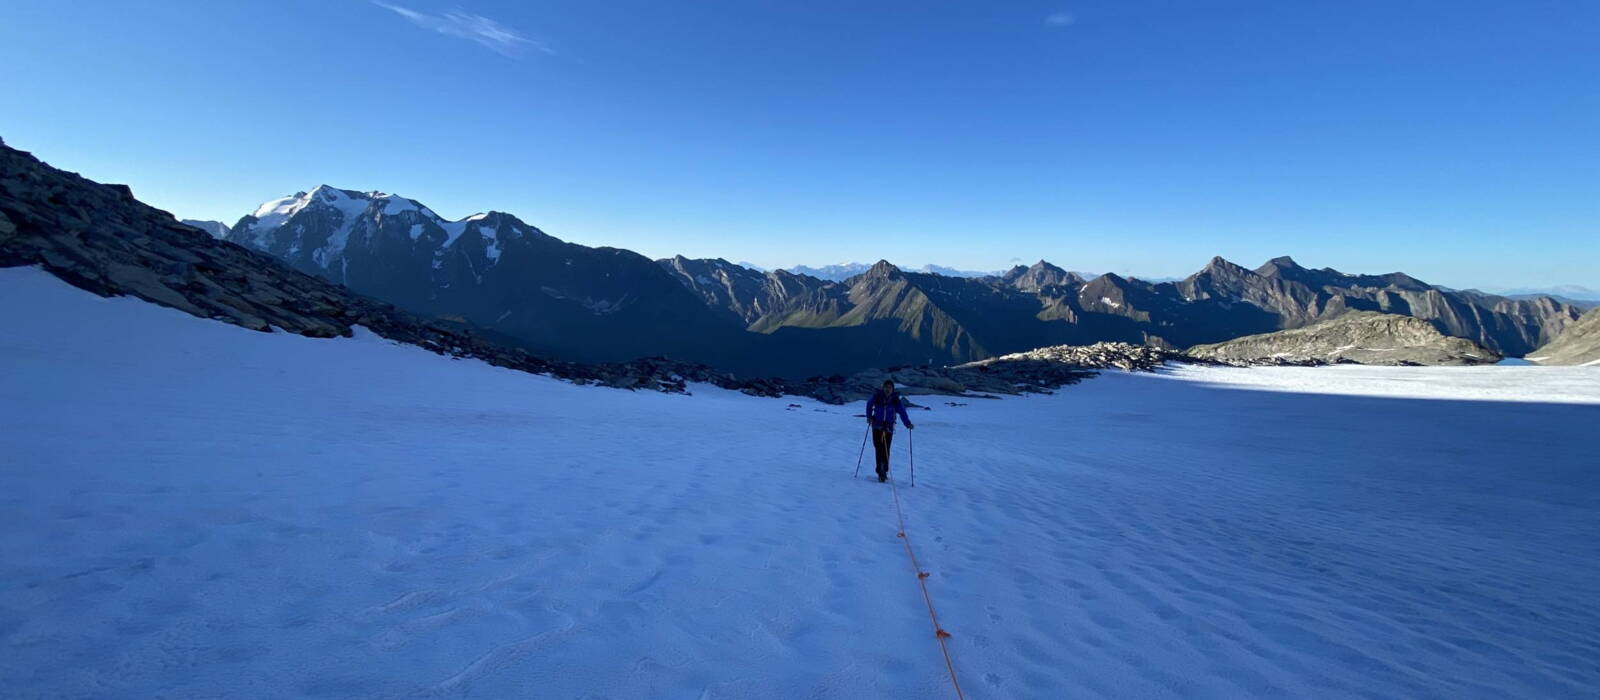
(191, 509)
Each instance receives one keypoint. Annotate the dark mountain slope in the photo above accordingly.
(882, 297)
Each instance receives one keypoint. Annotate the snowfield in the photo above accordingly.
(190, 509)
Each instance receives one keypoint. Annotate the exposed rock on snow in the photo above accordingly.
(1125, 356)
(1358, 337)
(1579, 344)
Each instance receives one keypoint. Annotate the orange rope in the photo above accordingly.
(922, 581)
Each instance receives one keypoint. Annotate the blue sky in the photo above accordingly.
(1458, 141)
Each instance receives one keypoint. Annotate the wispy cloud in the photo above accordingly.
(478, 29)
(1060, 19)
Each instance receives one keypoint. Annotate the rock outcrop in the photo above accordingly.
(1579, 344)
(1358, 337)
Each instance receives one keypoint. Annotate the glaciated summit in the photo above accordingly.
(315, 230)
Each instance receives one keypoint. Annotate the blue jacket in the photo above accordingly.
(881, 410)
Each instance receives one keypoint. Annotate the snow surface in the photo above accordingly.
(1506, 383)
(452, 231)
(395, 204)
(491, 241)
(190, 509)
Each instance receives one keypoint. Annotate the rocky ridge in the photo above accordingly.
(1358, 337)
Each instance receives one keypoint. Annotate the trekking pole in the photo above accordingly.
(911, 444)
(863, 452)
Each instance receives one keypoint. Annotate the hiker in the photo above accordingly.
(885, 402)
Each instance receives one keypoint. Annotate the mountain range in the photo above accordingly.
(606, 304)
(99, 238)
(1565, 292)
(512, 285)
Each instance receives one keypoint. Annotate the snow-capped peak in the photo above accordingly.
(345, 212)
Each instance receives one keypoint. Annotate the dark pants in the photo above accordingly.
(880, 446)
